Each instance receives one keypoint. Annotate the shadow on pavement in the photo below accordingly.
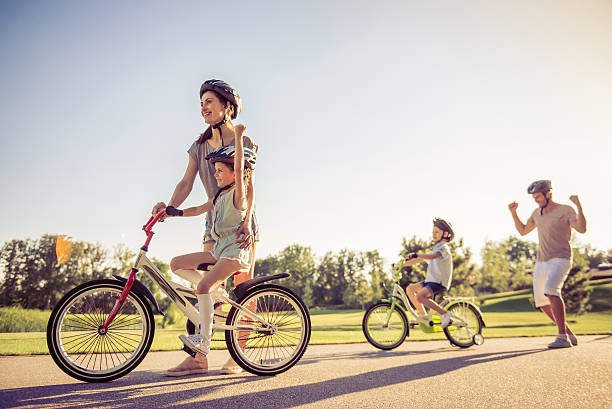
(118, 393)
(124, 393)
(374, 353)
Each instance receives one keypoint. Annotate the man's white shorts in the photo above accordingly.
(548, 278)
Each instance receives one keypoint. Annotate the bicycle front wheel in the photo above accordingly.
(383, 327)
(80, 350)
(272, 348)
(462, 334)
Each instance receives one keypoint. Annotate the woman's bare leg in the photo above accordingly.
(230, 366)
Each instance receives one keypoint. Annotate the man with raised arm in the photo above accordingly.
(554, 222)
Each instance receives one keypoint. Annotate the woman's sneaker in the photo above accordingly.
(560, 342)
(194, 342)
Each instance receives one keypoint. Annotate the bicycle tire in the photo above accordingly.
(460, 336)
(74, 341)
(383, 335)
(265, 352)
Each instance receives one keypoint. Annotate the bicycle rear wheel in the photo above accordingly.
(385, 328)
(463, 336)
(80, 350)
(274, 348)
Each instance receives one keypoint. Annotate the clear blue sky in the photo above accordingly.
(371, 117)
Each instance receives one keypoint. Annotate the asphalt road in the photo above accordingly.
(502, 373)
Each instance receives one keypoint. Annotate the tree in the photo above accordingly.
(417, 272)
(575, 292)
(507, 265)
(379, 280)
(296, 260)
(33, 278)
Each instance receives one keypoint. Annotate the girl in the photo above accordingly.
(233, 168)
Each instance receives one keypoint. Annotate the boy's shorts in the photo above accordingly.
(548, 279)
(435, 288)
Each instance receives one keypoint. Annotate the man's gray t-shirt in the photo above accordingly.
(206, 169)
(440, 270)
(554, 232)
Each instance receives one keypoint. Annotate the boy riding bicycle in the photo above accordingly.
(439, 272)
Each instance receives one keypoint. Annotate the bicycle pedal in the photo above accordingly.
(189, 351)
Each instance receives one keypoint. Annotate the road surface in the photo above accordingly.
(501, 373)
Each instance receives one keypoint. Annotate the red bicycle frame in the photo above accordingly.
(130, 281)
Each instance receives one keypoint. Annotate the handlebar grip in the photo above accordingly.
(411, 256)
(172, 211)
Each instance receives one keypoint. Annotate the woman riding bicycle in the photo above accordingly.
(220, 104)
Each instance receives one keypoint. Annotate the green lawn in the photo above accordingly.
(506, 315)
(337, 327)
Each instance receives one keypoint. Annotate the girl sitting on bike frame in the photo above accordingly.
(233, 168)
(439, 272)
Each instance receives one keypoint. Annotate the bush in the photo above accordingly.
(576, 292)
(17, 319)
(172, 316)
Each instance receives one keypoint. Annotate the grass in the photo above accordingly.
(506, 315)
(338, 327)
(16, 319)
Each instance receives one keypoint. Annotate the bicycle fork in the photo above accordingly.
(102, 329)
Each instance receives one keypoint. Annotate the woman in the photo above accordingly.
(220, 104)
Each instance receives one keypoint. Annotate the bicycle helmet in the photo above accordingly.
(539, 186)
(445, 227)
(225, 154)
(226, 91)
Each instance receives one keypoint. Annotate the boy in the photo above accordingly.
(439, 272)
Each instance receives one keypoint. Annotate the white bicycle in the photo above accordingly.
(102, 329)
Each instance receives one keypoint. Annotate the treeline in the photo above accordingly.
(32, 277)
(352, 279)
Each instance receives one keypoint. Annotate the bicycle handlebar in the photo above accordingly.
(172, 211)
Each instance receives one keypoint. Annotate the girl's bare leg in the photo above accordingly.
(190, 262)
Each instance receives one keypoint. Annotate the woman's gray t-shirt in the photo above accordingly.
(206, 169)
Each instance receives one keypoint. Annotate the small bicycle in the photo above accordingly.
(386, 326)
(102, 329)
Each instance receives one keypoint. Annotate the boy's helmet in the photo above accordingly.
(226, 90)
(539, 186)
(445, 227)
(225, 154)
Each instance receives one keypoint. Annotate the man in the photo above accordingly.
(554, 222)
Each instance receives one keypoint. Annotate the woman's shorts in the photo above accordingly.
(226, 247)
(208, 226)
(435, 288)
(548, 279)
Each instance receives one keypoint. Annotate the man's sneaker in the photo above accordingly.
(445, 319)
(573, 339)
(194, 342)
(560, 342)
